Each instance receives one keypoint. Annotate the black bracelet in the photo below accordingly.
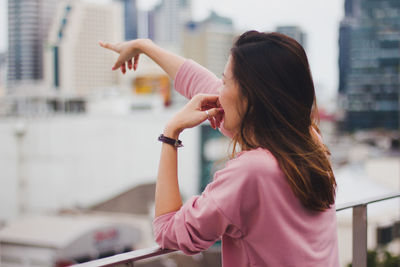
(174, 142)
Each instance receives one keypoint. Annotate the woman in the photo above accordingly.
(273, 203)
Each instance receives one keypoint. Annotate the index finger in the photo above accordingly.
(209, 98)
(107, 45)
(120, 61)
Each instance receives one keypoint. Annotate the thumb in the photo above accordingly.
(214, 116)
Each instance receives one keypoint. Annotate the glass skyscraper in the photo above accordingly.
(369, 64)
(130, 19)
(28, 24)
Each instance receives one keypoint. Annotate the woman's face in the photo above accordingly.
(231, 100)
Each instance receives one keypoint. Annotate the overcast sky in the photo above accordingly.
(318, 19)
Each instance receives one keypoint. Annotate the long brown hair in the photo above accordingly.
(274, 77)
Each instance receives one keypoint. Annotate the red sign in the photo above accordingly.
(105, 235)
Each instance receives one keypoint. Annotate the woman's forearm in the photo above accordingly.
(168, 196)
(168, 61)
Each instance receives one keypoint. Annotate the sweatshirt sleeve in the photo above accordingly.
(193, 79)
(195, 227)
(203, 219)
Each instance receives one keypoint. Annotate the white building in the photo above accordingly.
(77, 64)
(208, 42)
(50, 163)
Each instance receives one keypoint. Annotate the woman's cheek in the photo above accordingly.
(222, 98)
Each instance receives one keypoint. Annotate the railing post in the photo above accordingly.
(360, 236)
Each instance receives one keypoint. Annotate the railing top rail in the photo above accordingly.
(126, 257)
(157, 251)
(366, 201)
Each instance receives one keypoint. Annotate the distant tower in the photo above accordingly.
(145, 24)
(369, 64)
(295, 32)
(169, 18)
(208, 42)
(78, 65)
(130, 19)
(28, 25)
(2, 74)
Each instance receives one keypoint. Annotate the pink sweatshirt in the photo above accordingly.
(250, 206)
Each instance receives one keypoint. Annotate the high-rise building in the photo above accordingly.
(145, 24)
(369, 64)
(295, 32)
(208, 42)
(28, 24)
(130, 19)
(77, 64)
(169, 18)
(2, 74)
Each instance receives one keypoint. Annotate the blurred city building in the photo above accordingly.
(130, 19)
(64, 239)
(137, 200)
(28, 25)
(208, 42)
(214, 151)
(146, 23)
(369, 64)
(3, 71)
(295, 32)
(55, 162)
(54, 60)
(168, 19)
(386, 213)
(73, 70)
(77, 64)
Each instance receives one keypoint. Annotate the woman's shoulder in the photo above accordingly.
(255, 161)
(255, 157)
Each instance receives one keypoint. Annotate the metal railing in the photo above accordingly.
(360, 224)
(126, 259)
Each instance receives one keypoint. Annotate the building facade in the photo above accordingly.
(130, 19)
(295, 32)
(28, 25)
(369, 64)
(208, 42)
(168, 19)
(78, 66)
(2, 74)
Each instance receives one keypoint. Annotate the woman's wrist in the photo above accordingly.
(171, 131)
(143, 44)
